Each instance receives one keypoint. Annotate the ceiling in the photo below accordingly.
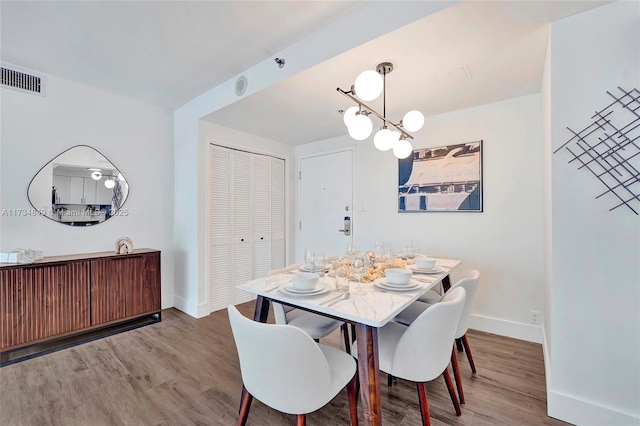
(168, 52)
(161, 52)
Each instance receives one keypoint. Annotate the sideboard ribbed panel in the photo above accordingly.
(109, 290)
(62, 296)
(68, 297)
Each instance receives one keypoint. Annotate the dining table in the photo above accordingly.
(367, 307)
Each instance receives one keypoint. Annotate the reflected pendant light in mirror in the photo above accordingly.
(80, 187)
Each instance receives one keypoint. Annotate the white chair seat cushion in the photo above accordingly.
(342, 367)
(314, 325)
(411, 312)
(388, 337)
(431, 297)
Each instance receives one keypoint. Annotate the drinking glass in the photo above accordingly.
(379, 247)
(410, 252)
(359, 269)
(342, 281)
(309, 259)
(318, 263)
(352, 249)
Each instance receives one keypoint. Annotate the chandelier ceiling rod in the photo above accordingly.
(372, 111)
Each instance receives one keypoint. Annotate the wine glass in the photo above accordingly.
(379, 247)
(359, 269)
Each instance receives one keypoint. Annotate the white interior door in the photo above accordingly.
(326, 198)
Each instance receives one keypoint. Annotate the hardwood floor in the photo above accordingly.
(184, 371)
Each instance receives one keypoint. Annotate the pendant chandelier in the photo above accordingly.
(367, 87)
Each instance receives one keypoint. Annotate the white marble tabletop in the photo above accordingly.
(371, 306)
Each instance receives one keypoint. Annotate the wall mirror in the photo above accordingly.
(79, 187)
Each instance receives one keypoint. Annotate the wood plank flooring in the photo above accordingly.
(184, 371)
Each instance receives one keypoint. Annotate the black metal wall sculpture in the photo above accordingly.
(608, 145)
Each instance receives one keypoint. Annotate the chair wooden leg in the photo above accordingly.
(459, 344)
(352, 394)
(456, 373)
(245, 405)
(301, 420)
(389, 380)
(452, 392)
(353, 333)
(467, 349)
(424, 405)
(345, 334)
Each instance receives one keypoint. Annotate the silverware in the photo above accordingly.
(343, 297)
(333, 299)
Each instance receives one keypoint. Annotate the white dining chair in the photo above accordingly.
(286, 370)
(316, 326)
(470, 283)
(420, 352)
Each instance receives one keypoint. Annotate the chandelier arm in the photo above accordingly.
(374, 112)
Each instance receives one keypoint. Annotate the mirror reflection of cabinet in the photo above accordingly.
(79, 187)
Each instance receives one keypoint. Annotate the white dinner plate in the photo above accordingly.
(321, 288)
(381, 283)
(435, 270)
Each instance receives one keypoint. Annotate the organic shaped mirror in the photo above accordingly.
(79, 187)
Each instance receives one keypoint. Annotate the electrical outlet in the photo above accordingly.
(535, 317)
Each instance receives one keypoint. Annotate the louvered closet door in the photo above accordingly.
(261, 215)
(241, 212)
(277, 214)
(220, 227)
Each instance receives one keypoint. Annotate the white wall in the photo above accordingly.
(209, 133)
(136, 137)
(595, 328)
(365, 23)
(504, 242)
(545, 94)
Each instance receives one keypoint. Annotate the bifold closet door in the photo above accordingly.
(219, 227)
(247, 221)
(277, 214)
(261, 217)
(241, 263)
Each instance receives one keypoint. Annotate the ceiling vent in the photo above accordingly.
(241, 85)
(23, 80)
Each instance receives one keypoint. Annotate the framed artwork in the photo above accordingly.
(441, 179)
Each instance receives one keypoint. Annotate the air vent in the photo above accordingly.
(23, 80)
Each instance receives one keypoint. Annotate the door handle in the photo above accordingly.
(347, 226)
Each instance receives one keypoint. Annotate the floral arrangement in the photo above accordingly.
(375, 269)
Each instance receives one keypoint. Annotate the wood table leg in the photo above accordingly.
(262, 309)
(446, 283)
(369, 373)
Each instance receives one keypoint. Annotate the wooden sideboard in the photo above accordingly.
(62, 296)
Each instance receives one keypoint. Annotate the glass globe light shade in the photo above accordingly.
(361, 127)
(413, 121)
(109, 183)
(96, 175)
(349, 115)
(368, 85)
(402, 149)
(120, 177)
(385, 139)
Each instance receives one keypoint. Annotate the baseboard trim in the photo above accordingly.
(516, 330)
(547, 357)
(580, 412)
(190, 308)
